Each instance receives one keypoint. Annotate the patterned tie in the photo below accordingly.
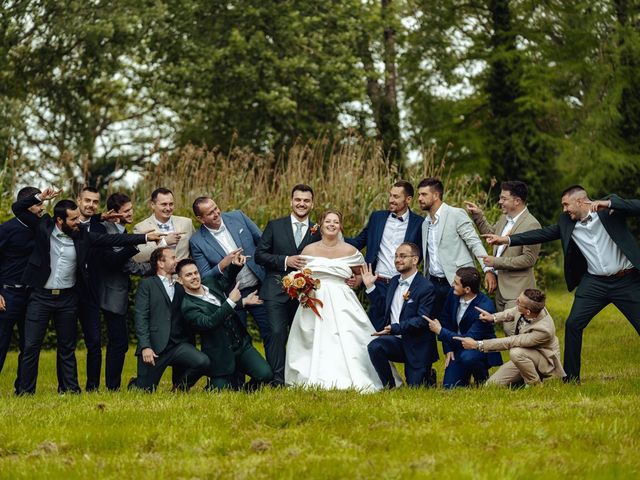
(397, 217)
(164, 227)
(522, 321)
(298, 235)
(404, 283)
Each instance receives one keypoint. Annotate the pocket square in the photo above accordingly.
(410, 300)
(241, 230)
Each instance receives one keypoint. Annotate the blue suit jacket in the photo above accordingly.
(371, 234)
(418, 342)
(207, 251)
(470, 325)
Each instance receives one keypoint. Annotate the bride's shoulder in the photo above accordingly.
(349, 249)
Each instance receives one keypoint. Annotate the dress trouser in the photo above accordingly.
(89, 316)
(523, 366)
(382, 350)
(466, 363)
(442, 289)
(248, 362)
(376, 310)
(16, 308)
(63, 308)
(503, 304)
(280, 319)
(192, 364)
(259, 314)
(117, 346)
(592, 295)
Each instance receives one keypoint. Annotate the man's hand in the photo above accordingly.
(468, 343)
(484, 315)
(154, 236)
(228, 259)
(235, 295)
(473, 208)
(239, 260)
(252, 299)
(385, 331)
(351, 281)
(149, 356)
(490, 281)
(434, 325)
(297, 262)
(489, 261)
(173, 238)
(110, 216)
(495, 239)
(598, 205)
(449, 357)
(369, 277)
(49, 193)
(3, 305)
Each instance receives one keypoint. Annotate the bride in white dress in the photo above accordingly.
(331, 352)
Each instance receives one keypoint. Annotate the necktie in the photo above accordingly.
(522, 321)
(298, 235)
(398, 217)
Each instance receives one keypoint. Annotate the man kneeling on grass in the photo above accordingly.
(534, 350)
(208, 309)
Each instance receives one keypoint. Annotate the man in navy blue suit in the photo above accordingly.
(404, 337)
(384, 232)
(220, 237)
(460, 317)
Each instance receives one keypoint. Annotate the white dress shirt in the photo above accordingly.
(228, 244)
(395, 230)
(435, 267)
(210, 297)
(603, 256)
(165, 228)
(169, 285)
(507, 230)
(305, 227)
(63, 261)
(398, 298)
(463, 306)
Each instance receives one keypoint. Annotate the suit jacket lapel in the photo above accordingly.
(498, 231)
(160, 286)
(379, 231)
(211, 241)
(390, 293)
(233, 229)
(444, 215)
(470, 309)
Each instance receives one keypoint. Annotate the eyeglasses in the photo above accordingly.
(404, 255)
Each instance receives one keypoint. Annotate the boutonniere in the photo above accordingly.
(314, 229)
(406, 295)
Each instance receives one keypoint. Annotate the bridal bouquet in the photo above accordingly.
(301, 285)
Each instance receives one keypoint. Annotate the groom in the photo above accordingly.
(405, 337)
(279, 253)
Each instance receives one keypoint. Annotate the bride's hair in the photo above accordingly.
(328, 212)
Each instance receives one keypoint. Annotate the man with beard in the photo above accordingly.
(384, 232)
(449, 242)
(16, 245)
(61, 249)
(279, 253)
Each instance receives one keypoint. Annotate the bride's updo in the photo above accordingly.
(329, 212)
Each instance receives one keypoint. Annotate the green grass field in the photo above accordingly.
(557, 430)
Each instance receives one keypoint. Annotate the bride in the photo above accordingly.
(331, 352)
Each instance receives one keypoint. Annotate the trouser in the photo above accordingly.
(191, 362)
(248, 362)
(442, 289)
(593, 294)
(524, 365)
(89, 316)
(117, 346)
(387, 349)
(376, 310)
(63, 308)
(280, 318)
(467, 362)
(503, 304)
(14, 315)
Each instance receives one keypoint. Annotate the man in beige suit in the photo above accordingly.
(513, 265)
(178, 230)
(534, 350)
(449, 242)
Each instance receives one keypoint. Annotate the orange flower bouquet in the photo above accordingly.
(301, 285)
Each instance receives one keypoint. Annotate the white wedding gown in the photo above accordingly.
(331, 352)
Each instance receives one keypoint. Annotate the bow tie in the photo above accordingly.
(398, 217)
(586, 221)
(403, 282)
(165, 227)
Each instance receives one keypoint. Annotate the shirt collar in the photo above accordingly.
(467, 302)
(404, 216)
(409, 280)
(59, 233)
(294, 220)
(168, 222)
(220, 229)
(515, 219)
(168, 281)
(436, 216)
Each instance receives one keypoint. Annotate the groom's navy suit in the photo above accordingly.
(276, 244)
(371, 237)
(466, 362)
(416, 347)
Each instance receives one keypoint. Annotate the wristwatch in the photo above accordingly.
(480, 345)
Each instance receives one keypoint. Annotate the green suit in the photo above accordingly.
(224, 338)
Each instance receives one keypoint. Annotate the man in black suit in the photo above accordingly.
(279, 253)
(601, 258)
(114, 289)
(16, 245)
(61, 250)
(163, 335)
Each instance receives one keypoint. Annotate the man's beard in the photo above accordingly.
(67, 230)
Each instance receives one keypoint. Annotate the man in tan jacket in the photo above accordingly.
(513, 265)
(534, 350)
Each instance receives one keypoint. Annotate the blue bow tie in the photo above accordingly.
(403, 282)
(165, 227)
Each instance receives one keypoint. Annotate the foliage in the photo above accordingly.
(556, 431)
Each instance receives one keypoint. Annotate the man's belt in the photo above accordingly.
(14, 287)
(435, 279)
(54, 291)
(385, 280)
(620, 274)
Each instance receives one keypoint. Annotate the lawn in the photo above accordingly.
(554, 431)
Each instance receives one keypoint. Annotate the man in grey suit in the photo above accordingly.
(215, 244)
(513, 265)
(114, 289)
(449, 242)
